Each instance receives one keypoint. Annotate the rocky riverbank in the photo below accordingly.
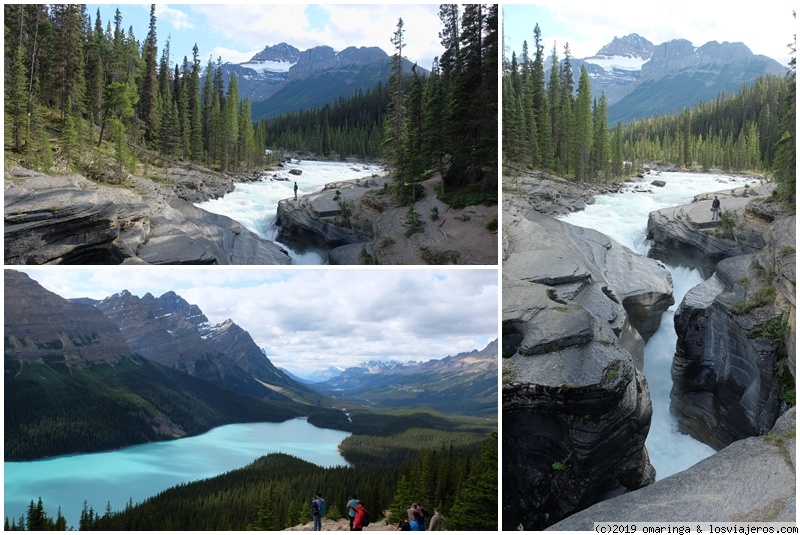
(734, 367)
(576, 407)
(69, 219)
(359, 222)
(733, 370)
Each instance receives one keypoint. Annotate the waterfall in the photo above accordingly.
(623, 217)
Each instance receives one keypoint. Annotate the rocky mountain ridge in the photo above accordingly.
(172, 332)
(73, 384)
(641, 79)
(274, 77)
(466, 382)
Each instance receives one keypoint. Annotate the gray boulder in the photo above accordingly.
(752, 480)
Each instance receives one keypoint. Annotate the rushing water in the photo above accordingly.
(138, 472)
(623, 217)
(254, 204)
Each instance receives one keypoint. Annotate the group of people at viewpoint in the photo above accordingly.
(358, 516)
(416, 519)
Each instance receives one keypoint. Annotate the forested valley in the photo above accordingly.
(549, 126)
(455, 470)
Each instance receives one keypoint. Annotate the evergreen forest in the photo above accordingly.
(455, 471)
(87, 95)
(550, 125)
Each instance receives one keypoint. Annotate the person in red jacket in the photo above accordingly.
(358, 521)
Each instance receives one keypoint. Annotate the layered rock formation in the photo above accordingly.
(42, 327)
(172, 332)
(724, 382)
(576, 408)
(69, 219)
(683, 235)
(752, 480)
(735, 357)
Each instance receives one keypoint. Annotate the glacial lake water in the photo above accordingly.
(623, 217)
(141, 471)
(254, 204)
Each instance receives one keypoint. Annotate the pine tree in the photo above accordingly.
(601, 143)
(543, 158)
(247, 146)
(786, 156)
(396, 110)
(195, 109)
(69, 57)
(230, 129)
(326, 131)
(148, 99)
(16, 103)
(583, 127)
(476, 504)
(433, 128)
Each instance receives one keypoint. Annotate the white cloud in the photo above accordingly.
(315, 318)
(177, 18)
(231, 56)
(765, 28)
(258, 25)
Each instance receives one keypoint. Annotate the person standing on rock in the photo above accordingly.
(436, 520)
(715, 209)
(318, 511)
(295, 191)
(358, 521)
(352, 509)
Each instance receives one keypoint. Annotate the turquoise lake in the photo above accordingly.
(141, 471)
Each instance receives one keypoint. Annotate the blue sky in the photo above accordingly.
(766, 27)
(237, 31)
(315, 318)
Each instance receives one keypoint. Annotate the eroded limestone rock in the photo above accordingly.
(752, 480)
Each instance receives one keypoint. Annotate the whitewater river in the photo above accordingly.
(139, 472)
(254, 204)
(623, 217)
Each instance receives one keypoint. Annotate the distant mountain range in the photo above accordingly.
(101, 374)
(641, 79)
(281, 79)
(465, 383)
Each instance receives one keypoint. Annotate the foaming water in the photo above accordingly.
(254, 204)
(670, 450)
(623, 217)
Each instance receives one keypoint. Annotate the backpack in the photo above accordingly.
(365, 522)
(322, 506)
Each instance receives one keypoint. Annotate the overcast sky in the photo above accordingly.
(315, 318)
(766, 27)
(238, 31)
